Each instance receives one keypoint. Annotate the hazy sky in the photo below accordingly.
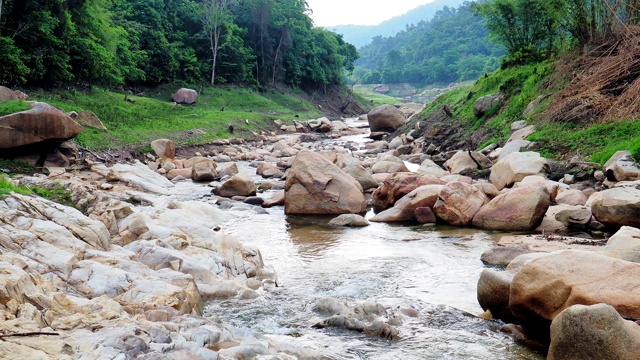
(359, 12)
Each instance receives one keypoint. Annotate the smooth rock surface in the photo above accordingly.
(42, 122)
(546, 286)
(317, 186)
(515, 167)
(593, 332)
(520, 209)
(385, 118)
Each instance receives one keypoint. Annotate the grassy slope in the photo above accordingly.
(596, 142)
(368, 95)
(10, 107)
(154, 116)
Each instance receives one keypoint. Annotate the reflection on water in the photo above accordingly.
(431, 269)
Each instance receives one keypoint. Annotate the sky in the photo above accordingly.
(359, 12)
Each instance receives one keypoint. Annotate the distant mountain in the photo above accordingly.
(452, 46)
(361, 35)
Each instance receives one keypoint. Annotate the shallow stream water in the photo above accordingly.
(431, 269)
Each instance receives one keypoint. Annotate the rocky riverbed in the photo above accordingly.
(127, 269)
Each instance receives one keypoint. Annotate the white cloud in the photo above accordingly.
(359, 12)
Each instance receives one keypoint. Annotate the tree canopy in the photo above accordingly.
(450, 47)
(534, 30)
(150, 42)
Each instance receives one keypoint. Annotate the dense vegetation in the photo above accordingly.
(149, 42)
(582, 56)
(451, 47)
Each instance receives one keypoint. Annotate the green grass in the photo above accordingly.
(13, 106)
(597, 141)
(520, 86)
(56, 193)
(7, 187)
(154, 116)
(369, 96)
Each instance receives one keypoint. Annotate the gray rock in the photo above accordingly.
(593, 332)
(349, 220)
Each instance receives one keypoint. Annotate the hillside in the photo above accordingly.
(361, 35)
(451, 47)
(583, 104)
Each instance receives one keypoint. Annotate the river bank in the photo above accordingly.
(149, 264)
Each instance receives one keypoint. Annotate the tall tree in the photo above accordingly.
(214, 17)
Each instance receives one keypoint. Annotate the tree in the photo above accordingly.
(527, 28)
(215, 15)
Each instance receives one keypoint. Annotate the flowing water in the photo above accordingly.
(433, 269)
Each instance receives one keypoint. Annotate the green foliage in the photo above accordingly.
(520, 85)
(56, 193)
(449, 48)
(7, 187)
(12, 69)
(599, 141)
(49, 43)
(154, 117)
(527, 28)
(10, 107)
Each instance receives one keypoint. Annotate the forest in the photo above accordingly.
(50, 43)
(451, 47)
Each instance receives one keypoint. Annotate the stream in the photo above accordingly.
(433, 269)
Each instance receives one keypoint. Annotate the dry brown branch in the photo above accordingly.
(605, 81)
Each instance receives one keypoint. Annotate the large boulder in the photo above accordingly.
(515, 167)
(520, 209)
(316, 186)
(493, 293)
(239, 185)
(549, 284)
(7, 94)
(617, 207)
(388, 167)
(511, 147)
(571, 197)
(164, 148)
(385, 118)
(361, 174)
(41, 123)
(429, 167)
(461, 162)
(268, 170)
(593, 332)
(483, 104)
(204, 171)
(185, 96)
(622, 167)
(88, 119)
(404, 209)
(458, 203)
(398, 185)
(624, 244)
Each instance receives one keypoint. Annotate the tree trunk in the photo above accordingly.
(215, 37)
(275, 60)
(0, 12)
